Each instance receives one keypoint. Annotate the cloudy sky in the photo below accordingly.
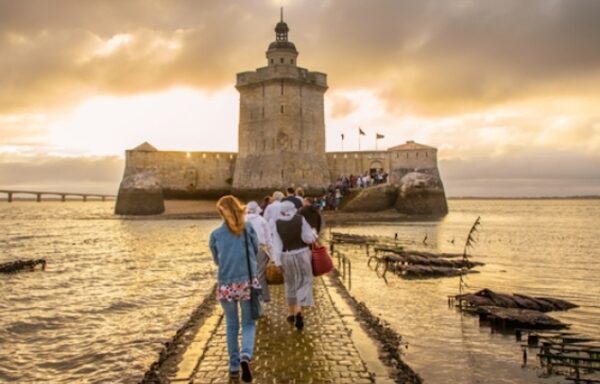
(507, 90)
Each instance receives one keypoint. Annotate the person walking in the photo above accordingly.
(311, 212)
(234, 246)
(263, 234)
(291, 236)
(272, 210)
(291, 196)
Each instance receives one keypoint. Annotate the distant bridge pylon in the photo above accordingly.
(63, 195)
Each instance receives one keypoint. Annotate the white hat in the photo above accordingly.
(253, 207)
(287, 208)
(278, 195)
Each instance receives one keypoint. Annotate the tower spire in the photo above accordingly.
(281, 29)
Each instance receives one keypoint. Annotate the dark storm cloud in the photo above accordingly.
(433, 56)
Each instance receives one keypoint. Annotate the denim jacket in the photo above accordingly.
(229, 253)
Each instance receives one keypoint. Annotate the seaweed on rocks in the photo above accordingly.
(390, 341)
(172, 351)
(21, 265)
(487, 297)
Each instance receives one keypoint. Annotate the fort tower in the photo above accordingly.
(282, 124)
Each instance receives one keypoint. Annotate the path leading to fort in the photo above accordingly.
(332, 348)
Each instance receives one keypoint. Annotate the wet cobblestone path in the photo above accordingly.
(323, 352)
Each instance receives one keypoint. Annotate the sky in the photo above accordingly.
(507, 90)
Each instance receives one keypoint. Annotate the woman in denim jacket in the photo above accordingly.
(228, 247)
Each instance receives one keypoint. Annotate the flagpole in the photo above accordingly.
(360, 133)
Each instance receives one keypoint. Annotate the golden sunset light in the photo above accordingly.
(506, 88)
(299, 191)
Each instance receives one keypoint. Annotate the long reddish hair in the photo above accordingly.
(233, 212)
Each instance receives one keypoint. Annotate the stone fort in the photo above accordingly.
(281, 141)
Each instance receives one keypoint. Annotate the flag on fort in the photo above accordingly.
(379, 136)
(361, 132)
(342, 136)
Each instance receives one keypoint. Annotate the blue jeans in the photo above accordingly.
(230, 308)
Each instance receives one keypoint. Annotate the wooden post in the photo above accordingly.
(63, 198)
(84, 198)
(39, 197)
(10, 197)
(103, 198)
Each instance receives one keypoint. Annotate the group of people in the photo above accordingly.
(336, 192)
(367, 179)
(282, 230)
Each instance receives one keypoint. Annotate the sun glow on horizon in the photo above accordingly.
(181, 119)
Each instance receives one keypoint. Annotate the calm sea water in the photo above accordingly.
(112, 293)
(115, 290)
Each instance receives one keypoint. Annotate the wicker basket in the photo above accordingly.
(274, 274)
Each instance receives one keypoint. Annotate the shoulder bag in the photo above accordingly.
(255, 294)
(321, 261)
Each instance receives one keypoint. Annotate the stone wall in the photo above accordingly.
(356, 163)
(185, 174)
(395, 162)
(265, 169)
(404, 161)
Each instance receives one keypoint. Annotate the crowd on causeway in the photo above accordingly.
(280, 230)
(335, 192)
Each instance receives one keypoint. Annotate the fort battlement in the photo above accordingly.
(278, 73)
(185, 174)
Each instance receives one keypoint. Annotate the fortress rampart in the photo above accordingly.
(185, 174)
(396, 161)
(210, 174)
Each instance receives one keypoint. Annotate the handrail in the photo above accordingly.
(344, 267)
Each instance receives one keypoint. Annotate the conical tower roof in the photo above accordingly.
(145, 146)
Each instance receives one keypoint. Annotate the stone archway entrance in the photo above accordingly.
(375, 166)
(377, 172)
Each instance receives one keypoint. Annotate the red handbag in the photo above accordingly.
(321, 261)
